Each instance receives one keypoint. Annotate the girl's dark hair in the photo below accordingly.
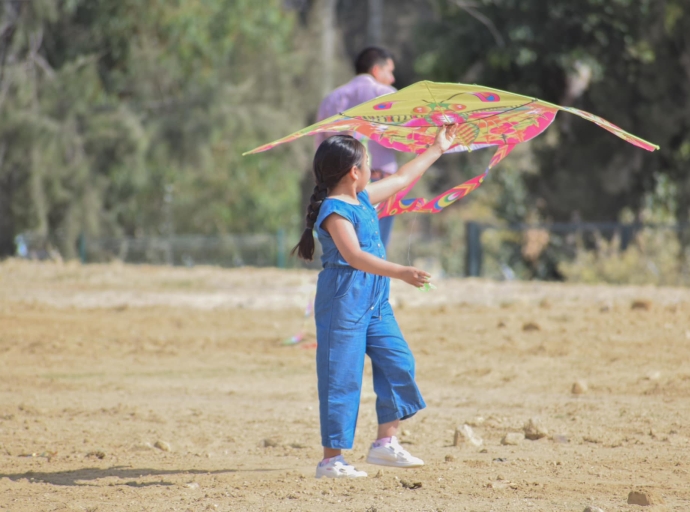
(333, 160)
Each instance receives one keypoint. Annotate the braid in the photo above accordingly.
(334, 158)
(317, 198)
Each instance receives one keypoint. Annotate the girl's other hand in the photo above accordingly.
(446, 136)
(415, 277)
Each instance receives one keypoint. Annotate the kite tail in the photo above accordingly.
(396, 204)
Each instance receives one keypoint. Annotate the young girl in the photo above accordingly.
(353, 315)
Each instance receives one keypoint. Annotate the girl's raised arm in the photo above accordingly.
(385, 188)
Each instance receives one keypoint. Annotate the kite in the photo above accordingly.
(299, 337)
(407, 120)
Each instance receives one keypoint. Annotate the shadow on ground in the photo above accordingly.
(80, 476)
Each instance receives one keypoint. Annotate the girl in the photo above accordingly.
(353, 316)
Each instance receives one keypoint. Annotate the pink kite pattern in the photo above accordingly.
(408, 120)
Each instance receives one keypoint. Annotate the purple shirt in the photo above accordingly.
(360, 89)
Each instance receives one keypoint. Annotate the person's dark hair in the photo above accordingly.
(370, 57)
(334, 158)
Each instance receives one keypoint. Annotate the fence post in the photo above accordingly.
(627, 234)
(473, 257)
(82, 247)
(281, 248)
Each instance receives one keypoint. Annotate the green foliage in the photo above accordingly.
(127, 117)
(618, 59)
(122, 117)
(653, 258)
(626, 60)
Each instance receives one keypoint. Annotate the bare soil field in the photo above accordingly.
(160, 389)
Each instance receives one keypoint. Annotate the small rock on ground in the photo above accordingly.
(464, 435)
(534, 429)
(162, 445)
(592, 509)
(579, 387)
(643, 498)
(513, 438)
(644, 305)
(530, 327)
(410, 485)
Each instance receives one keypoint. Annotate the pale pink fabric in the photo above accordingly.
(360, 89)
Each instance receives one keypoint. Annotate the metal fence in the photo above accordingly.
(478, 250)
(260, 250)
(541, 247)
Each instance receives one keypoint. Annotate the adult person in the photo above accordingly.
(374, 67)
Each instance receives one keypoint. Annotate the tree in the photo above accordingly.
(626, 60)
(108, 107)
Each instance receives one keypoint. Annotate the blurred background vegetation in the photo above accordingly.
(122, 118)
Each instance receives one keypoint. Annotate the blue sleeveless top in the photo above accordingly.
(362, 216)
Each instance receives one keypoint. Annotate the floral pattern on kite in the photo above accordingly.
(407, 121)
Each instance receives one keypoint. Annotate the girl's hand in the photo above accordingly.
(411, 171)
(415, 277)
(446, 136)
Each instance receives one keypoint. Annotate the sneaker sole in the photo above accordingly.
(393, 464)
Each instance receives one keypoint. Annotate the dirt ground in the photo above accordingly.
(160, 389)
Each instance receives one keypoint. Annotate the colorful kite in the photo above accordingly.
(408, 120)
(299, 337)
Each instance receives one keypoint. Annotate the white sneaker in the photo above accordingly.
(392, 454)
(336, 467)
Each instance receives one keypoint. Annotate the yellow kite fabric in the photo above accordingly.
(408, 120)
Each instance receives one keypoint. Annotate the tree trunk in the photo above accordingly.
(6, 215)
(8, 26)
(375, 23)
(327, 44)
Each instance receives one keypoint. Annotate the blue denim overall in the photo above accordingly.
(353, 318)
